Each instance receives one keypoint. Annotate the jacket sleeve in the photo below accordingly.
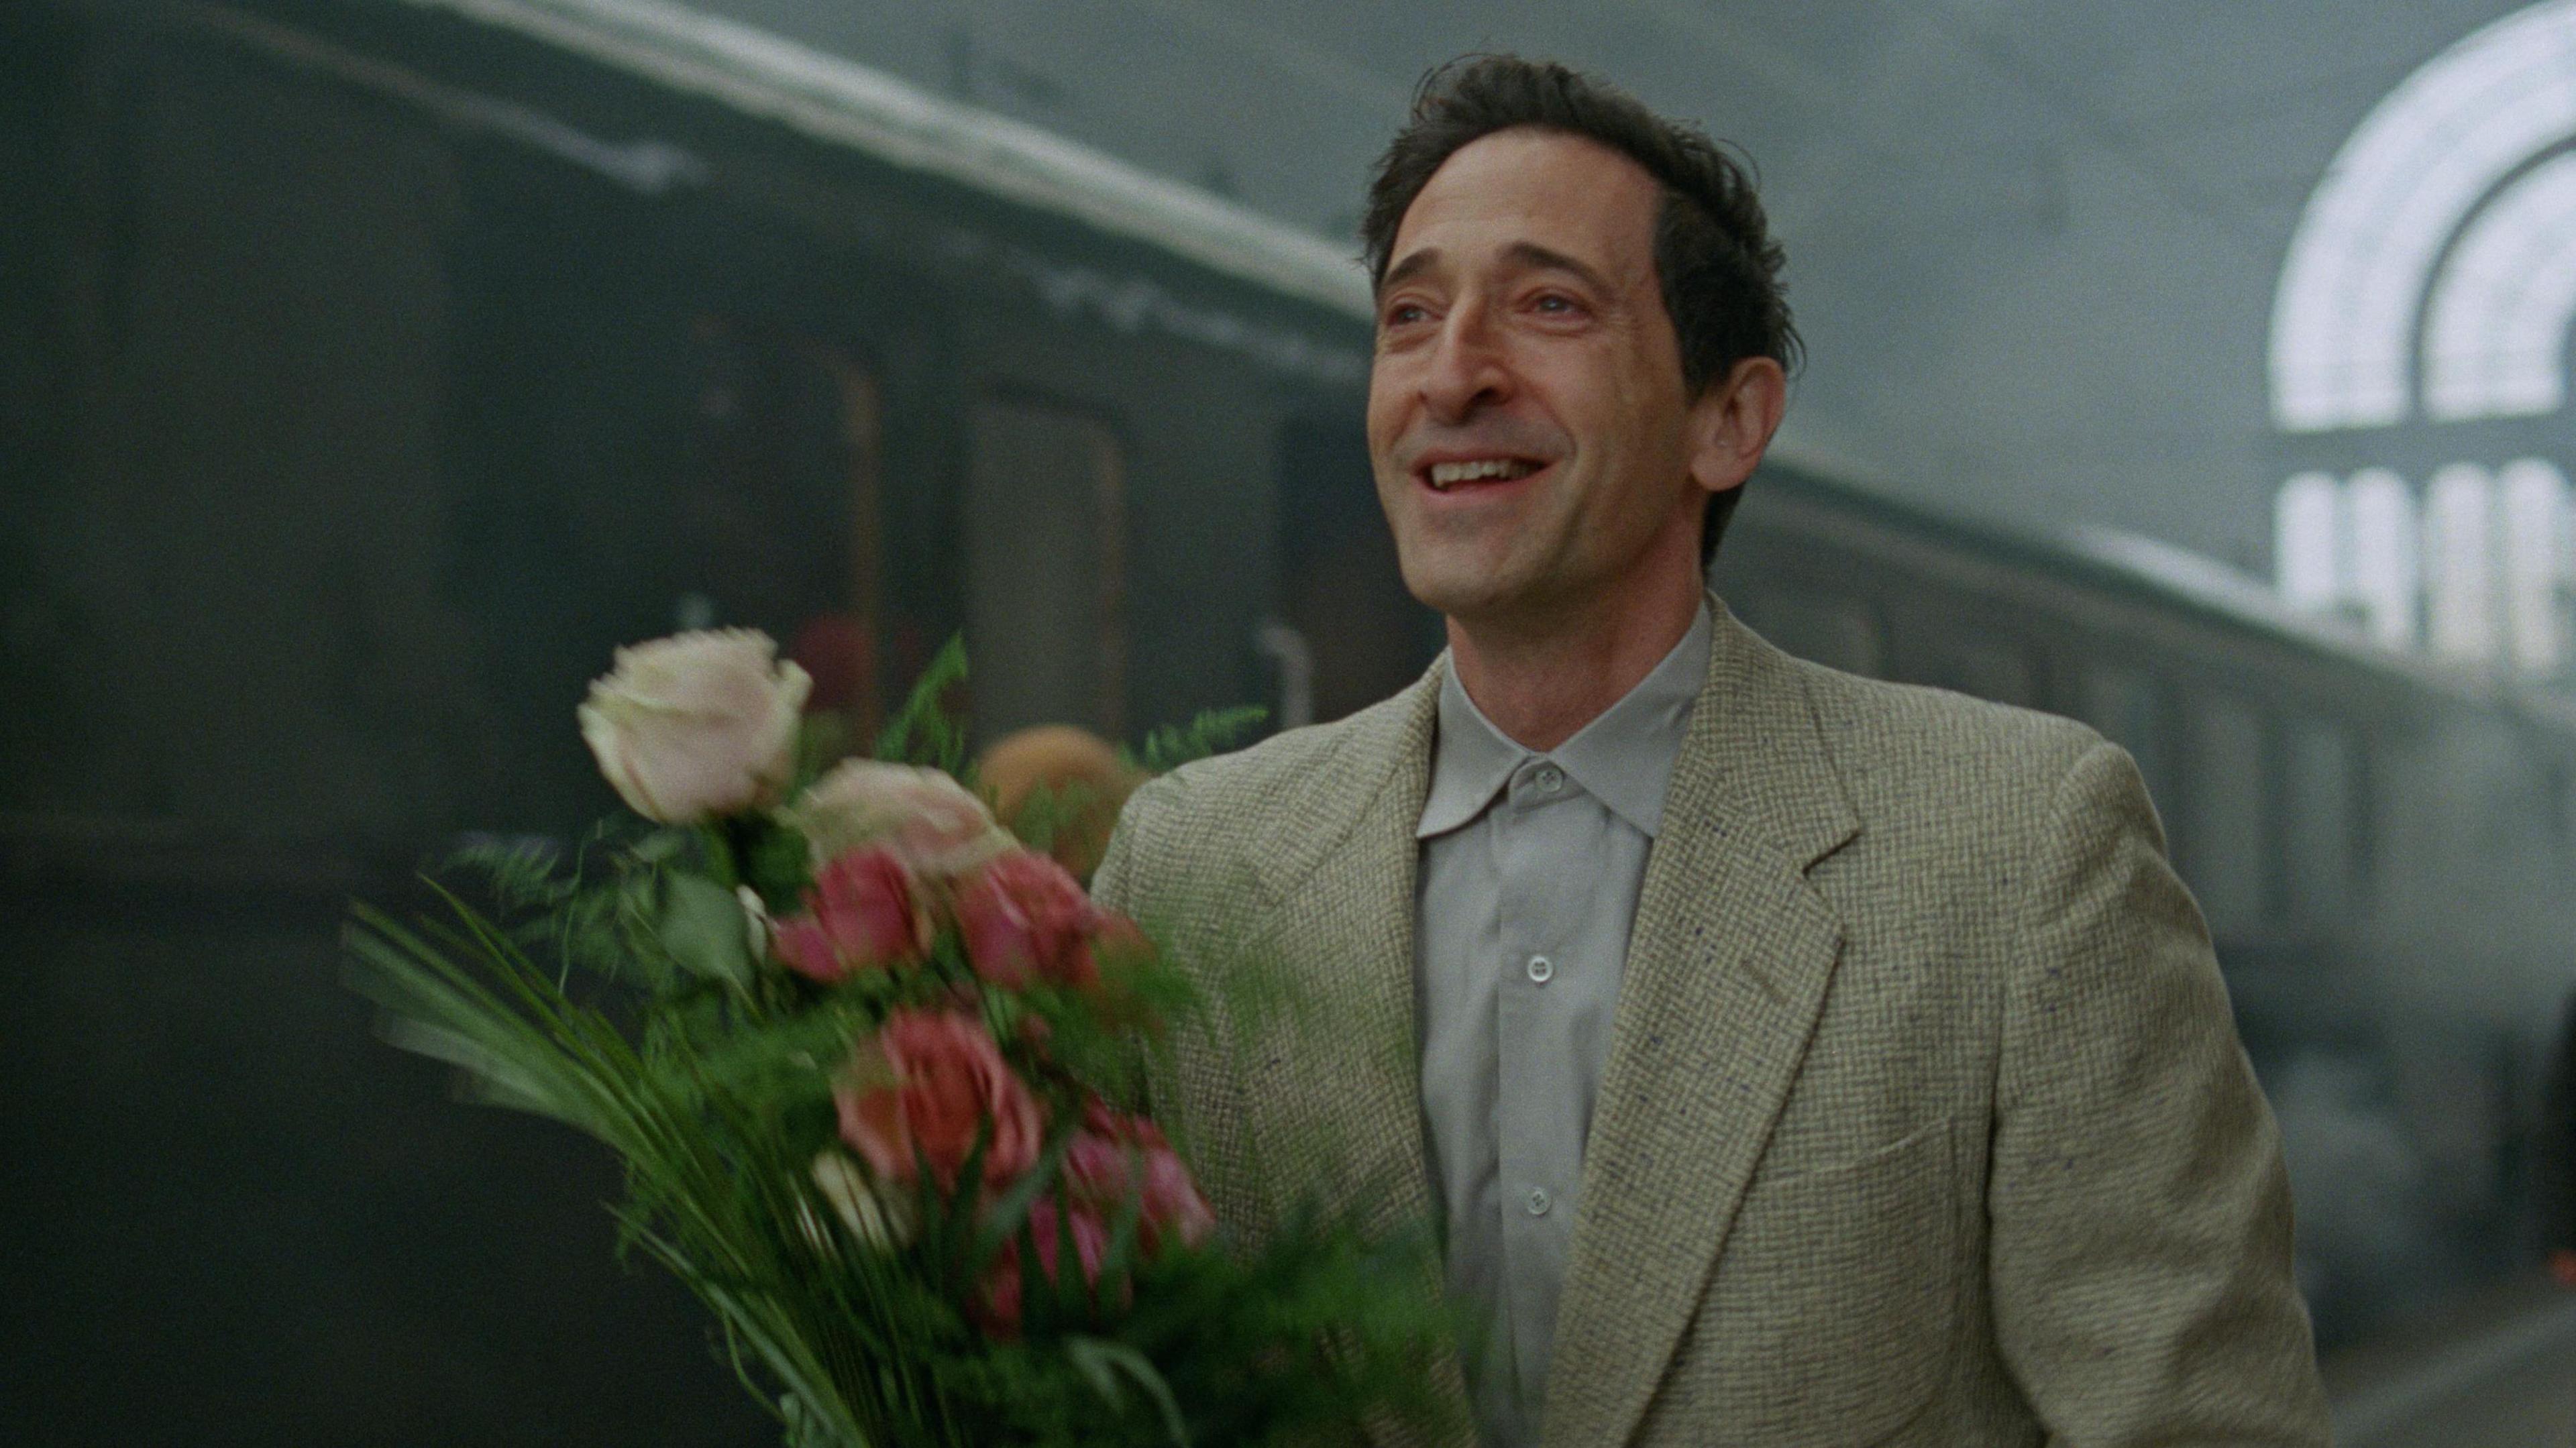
(1196, 1094)
(1113, 884)
(2140, 1254)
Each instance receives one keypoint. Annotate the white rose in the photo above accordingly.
(925, 819)
(698, 725)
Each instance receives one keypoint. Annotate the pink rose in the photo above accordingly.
(860, 915)
(924, 818)
(1099, 1118)
(1100, 1171)
(1174, 1209)
(1002, 1288)
(923, 1088)
(1024, 918)
(1116, 1156)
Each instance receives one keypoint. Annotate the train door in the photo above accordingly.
(1343, 611)
(1044, 527)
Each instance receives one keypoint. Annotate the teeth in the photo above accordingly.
(1448, 475)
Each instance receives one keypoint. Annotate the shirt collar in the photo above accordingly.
(1624, 758)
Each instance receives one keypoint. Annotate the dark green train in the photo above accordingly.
(370, 368)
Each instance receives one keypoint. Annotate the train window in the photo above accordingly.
(2323, 820)
(1831, 629)
(2127, 705)
(785, 450)
(1043, 623)
(2220, 836)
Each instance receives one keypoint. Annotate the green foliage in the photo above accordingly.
(1213, 731)
(926, 730)
(703, 929)
(1113, 1368)
(1048, 812)
(602, 913)
(822, 740)
(711, 1076)
(618, 988)
(775, 861)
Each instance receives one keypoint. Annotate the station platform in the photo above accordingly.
(2495, 1371)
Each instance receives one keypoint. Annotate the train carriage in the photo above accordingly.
(368, 371)
(510, 329)
(372, 369)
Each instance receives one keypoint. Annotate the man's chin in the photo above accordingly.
(1458, 593)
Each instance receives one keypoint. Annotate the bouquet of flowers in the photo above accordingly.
(872, 1066)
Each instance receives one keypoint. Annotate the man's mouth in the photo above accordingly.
(1442, 477)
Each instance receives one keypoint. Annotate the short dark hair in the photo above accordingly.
(1714, 256)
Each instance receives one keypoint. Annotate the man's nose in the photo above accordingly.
(1467, 371)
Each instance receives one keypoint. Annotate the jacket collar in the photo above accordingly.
(1624, 758)
(1755, 757)
(1379, 761)
(1751, 744)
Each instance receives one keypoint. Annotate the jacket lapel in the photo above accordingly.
(1726, 975)
(1338, 1101)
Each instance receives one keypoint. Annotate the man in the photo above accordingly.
(1790, 1058)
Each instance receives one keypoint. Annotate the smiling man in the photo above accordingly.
(1790, 1058)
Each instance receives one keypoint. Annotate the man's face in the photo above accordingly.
(1527, 417)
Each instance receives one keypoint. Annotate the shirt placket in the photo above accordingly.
(1536, 1177)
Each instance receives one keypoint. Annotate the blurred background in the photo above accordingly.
(370, 368)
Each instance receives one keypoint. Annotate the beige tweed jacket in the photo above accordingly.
(1924, 1120)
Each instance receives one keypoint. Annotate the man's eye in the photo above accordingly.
(1555, 304)
(1402, 313)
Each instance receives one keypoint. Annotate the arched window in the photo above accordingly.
(2432, 283)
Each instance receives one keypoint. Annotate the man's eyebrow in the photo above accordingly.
(1524, 253)
(1531, 254)
(1412, 266)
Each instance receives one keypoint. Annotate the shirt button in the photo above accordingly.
(1548, 778)
(1541, 969)
(1538, 1202)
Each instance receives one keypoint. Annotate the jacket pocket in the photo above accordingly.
(1829, 1317)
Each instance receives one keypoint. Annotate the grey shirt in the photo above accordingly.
(1531, 865)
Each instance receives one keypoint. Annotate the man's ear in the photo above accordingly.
(1732, 422)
